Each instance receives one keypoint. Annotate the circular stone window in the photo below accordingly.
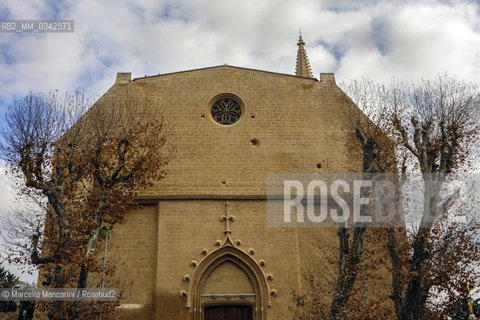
(226, 109)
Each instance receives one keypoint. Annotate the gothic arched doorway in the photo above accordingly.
(233, 312)
(228, 281)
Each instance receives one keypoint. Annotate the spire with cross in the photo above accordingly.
(303, 66)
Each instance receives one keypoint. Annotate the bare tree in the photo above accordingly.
(436, 123)
(369, 121)
(22, 231)
(320, 282)
(367, 124)
(88, 167)
(424, 129)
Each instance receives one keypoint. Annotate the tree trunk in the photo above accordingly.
(90, 250)
(83, 276)
(349, 264)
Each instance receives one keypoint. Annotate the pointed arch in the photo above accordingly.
(229, 253)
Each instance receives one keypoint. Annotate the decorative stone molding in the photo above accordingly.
(228, 296)
(228, 251)
(227, 219)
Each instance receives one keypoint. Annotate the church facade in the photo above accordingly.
(200, 248)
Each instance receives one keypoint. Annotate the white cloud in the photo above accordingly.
(418, 39)
(379, 39)
(425, 38)
(28, 9)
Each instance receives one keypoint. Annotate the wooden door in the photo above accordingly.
(228, 313)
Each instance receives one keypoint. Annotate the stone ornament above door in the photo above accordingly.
(228, 260)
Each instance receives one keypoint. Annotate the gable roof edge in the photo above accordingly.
(225, 66)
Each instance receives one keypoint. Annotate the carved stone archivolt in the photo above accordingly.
(228, 252)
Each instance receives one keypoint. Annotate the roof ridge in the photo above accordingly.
(222, 66)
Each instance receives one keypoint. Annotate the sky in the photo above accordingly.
(376, 39)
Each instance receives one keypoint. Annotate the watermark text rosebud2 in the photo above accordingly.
(340, 215)
(58, 294)
(355, 199)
